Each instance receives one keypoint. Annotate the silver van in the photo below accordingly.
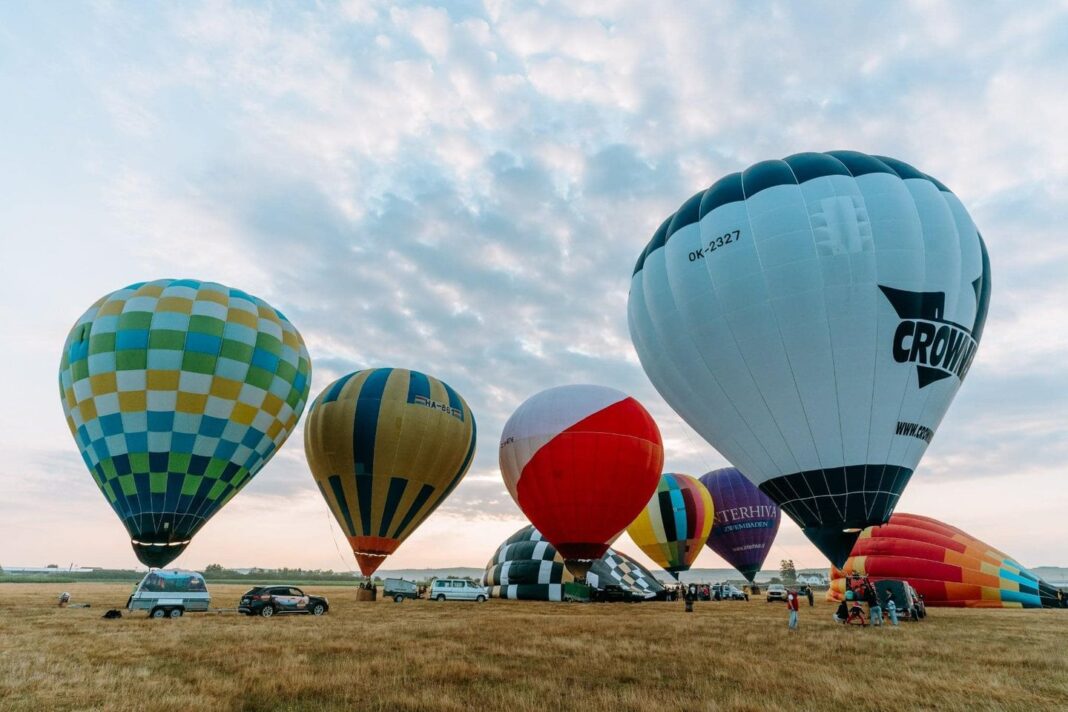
(169, 593)
(457, 590)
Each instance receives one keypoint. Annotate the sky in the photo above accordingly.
(464, 190)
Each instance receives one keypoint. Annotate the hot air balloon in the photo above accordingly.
(527, 567)
(945, 565)
(581, 462)
(674, 525)
(812, 318)
(746, 520)
(177, 392)
(386, 446)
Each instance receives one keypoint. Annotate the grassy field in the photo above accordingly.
(505, 655)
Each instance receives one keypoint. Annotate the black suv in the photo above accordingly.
(269, 600)
(613, 593)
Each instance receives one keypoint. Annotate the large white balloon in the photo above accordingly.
(812, 318)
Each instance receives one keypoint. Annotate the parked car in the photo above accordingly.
(776, 592)
(729, 592)
(398, 589)
(908, 603)
(266, 601)
(458, 590)
(169, 593)
(614, 593)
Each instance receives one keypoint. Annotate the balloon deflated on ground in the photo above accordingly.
(177, 392)
(527, 567)
(674, 525)
(812, 318)
(386, 446)
(746, 522)
(945, 565)
(581, 462)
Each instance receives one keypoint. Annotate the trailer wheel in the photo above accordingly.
(398, 598)
(175, 613)
(158, 613)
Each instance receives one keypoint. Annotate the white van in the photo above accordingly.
(457, 590)
(169, 593)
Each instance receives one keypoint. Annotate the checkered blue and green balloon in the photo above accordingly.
(177, 393)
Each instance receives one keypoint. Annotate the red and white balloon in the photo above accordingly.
(581, 462)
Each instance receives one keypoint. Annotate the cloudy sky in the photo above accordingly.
(464, 191)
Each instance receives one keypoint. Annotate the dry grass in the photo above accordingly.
(516, 656)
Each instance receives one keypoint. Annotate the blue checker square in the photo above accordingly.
(252, 438)
(265, 360)
(225, 450)
(182, 442)
(100, 448)
(122, 464)
(111, 424)
(160, 421)
(131, 339)
(137, 442)
(202, 343)
(212, 427)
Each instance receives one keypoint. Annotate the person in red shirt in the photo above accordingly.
(791, 606)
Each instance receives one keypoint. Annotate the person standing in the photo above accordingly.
(791, 606)
(808, 591)
(891, 608)
(875, 611)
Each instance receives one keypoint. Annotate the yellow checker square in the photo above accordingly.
(266, 312)
(289, 338)
(272, 404)
(71, 425)
(276, 427)
(242, 317)
(191, 402)
(102, 383)
(208, 294)
(225, 388)
(291, 421)
(112, 308)
(160, 380)
(179, 305)
(132, 402)
(149, 290)
(244, 414)
(87, 409)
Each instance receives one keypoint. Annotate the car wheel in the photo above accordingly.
(318, 609)
(175, 613)
(398, 598)
(267, 611)
(441, 597)
(481, 598)
(158, 613)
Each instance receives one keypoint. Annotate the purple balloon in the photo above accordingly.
(746, 522)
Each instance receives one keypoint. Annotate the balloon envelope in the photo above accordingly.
(945, 565)
(581, 462)
(746, 520)
(177, 392)
(386, 446)
(674, 525)
(527, 567)
(812, 318)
